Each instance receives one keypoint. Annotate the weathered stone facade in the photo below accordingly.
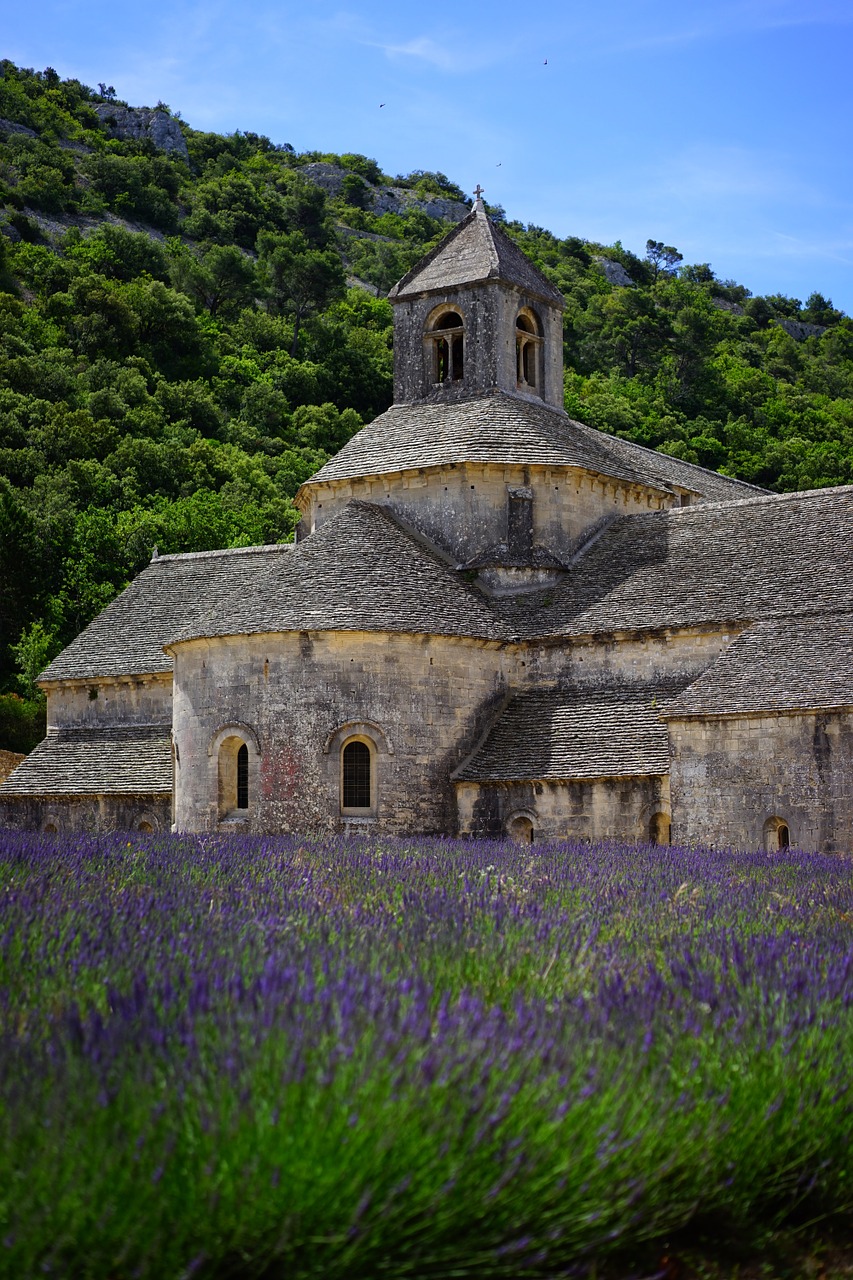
(495, 622)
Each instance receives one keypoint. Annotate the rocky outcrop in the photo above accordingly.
(9, 126)
(615, 273)
(386, 199)
(723, 304)
(800, 330)
(143, 122)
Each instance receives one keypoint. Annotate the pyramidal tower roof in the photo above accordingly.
(476, 250)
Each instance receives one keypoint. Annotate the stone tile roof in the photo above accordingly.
(662, 469)
(359, 571)
(581, 732)
(101, 761)
(510, 430)
(804, 662)
(475, 250)
(762, 558)
(128, 637)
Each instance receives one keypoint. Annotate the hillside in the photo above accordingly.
(191, 323)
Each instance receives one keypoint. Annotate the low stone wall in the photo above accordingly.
(9, 761)
(87, 814)
(733, 776)
(592, 809)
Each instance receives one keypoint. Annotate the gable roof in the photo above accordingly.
(128, 637)
(799, 663)
(359, 571)
(510, 430)
(766, 557)
(135, 760)
(577, 732)
(474, 251)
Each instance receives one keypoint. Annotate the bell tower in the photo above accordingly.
(476, 316)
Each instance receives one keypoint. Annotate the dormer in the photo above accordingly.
(476, 316)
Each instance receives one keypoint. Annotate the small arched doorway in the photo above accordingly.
(777, 835)
(660, 829)
(520, 828)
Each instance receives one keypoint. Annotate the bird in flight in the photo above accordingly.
(382, 104)
(545, 63)
(499, 163)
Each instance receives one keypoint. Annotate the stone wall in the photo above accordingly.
(633, 658)
(592, 809)
(92, 703)
(489, 314)
(87, 814)
(463, 508)
(730, 775)
(423, 701)
(9, 761)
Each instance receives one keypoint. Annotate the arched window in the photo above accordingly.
(660, 829)
(233, 776)
(528, 350)
(144, 827)
(521, 829)
(445, 338)
(357, 777)
(777, 835)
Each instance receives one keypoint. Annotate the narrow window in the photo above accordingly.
(783, 835)
(446, 338)
(356, 776)
(458, 361)
(233, 777)
(243, 777)
(528, 343)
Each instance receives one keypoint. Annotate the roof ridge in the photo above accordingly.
(430, 257)
(109, 728)
(656, 453)
(224, 551)
(757, 499)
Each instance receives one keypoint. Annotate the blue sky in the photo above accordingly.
(721, 128)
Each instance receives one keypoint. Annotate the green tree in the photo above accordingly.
(662, 257)
(36, 647)
(299, 280)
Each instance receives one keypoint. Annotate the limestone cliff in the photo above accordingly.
(143, 122)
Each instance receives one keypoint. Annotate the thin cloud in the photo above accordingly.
(456, 55)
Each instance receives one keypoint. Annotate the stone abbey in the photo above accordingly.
(495, 621)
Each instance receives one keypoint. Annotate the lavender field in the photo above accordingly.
(293, 1058)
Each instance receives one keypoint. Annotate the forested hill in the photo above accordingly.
(190, 323)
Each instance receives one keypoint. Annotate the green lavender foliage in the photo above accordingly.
(253, 1057)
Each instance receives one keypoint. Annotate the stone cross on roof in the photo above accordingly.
(478, 191)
